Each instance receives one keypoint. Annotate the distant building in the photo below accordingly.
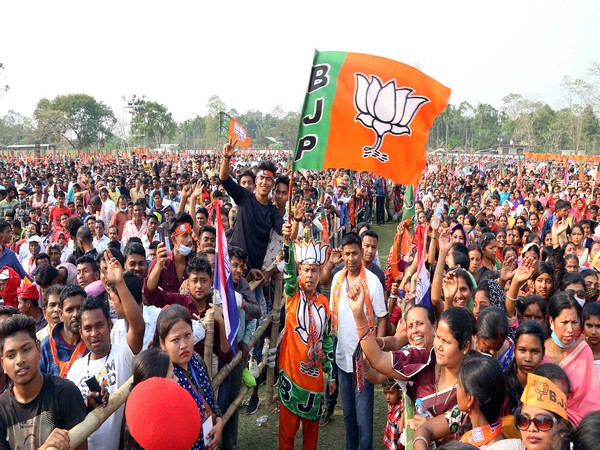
(509, 149)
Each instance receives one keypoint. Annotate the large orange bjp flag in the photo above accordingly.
(367, 113)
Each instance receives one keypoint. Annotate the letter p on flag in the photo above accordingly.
(369, 114)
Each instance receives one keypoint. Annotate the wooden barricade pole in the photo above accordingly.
(209, 338)
(226, 370)
(80, 432)
(276, 314)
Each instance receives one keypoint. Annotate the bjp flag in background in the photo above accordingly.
(367, 113)
(231, 128)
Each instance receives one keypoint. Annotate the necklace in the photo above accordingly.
(103, 364)
(437, 379)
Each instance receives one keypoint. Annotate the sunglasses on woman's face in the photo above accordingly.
(542, 422)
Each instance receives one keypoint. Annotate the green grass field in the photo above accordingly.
(331, 436)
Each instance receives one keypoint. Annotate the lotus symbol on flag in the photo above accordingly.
(239, 131)
(385, 109)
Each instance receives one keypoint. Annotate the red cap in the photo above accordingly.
(29, 292)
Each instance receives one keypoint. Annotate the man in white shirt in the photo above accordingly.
(357, 406)
(108, 206)
(100, 239)
(110, 364)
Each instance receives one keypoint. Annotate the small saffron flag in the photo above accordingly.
(231, 128)
(223, 283)
(369, 114)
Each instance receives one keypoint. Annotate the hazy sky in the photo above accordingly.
(257, 54)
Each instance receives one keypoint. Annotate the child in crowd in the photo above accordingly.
(393, 426)
(591, 330)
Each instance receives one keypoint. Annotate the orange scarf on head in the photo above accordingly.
(336, 295)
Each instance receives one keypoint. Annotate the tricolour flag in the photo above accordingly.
(223, 283)
(423, 290)
(231, 128)
(367, 113)
(566, 179)
(481, 169)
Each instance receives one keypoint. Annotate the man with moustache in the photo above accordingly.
(64, 346)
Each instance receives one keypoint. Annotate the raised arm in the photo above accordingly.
(228, 152)
(154, 276)
(521, 275)
(113, 273)
(438, 275)
(378, 359)
(192, 202)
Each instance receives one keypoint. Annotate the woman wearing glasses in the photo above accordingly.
(572, 354)
(542, 418)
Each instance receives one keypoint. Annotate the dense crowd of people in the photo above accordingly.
(490, 338)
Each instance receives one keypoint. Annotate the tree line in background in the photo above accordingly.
(81, 122)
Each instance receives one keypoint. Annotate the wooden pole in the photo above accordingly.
(276, 314)
(209, 324)
(226, 370)
(80, 432)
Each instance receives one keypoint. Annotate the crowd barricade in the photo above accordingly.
(98, 416)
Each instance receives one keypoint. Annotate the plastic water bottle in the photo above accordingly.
(423, 412)
(420, 409)
(437, 215)
(261, 420)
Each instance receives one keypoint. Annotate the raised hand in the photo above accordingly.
(198, 188)
(286, 232)
(356, 298)
(229, 149)
(525, 270)
(444, 241)
(161, 254)
(508, 268)
(559, 227)
(450, 286)
(113, 272)
(335, 256)
(299, 210)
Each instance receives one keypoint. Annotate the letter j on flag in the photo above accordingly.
(369, 114)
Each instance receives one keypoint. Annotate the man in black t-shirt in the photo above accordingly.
(39, 409)
(256, 214)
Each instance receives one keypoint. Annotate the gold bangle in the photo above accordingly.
(508, 297)
(438, 274)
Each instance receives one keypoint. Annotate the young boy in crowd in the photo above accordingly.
(393, 426)
(591, 330)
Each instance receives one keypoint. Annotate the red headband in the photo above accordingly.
(182, 229)
(265, 173)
